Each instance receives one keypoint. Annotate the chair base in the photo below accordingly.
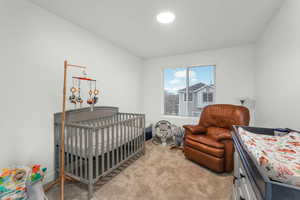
(204, 159)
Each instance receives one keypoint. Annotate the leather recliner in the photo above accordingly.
(210, 143)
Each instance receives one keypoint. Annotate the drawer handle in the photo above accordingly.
(242, 198)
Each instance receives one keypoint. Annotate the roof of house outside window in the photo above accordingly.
(196, 87)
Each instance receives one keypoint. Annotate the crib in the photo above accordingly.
(98, 142)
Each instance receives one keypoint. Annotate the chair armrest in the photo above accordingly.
(222, 136)
(195, 129)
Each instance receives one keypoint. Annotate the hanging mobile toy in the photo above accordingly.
(90, 99)
(93, 99)
(72, 97)
(96, 92)
(75, 96)
(78, 98)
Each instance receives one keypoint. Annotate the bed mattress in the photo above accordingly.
(107, 140)
(278, 156)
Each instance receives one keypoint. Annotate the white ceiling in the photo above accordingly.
(199, 24)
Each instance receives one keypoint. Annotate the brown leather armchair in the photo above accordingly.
(209, 143)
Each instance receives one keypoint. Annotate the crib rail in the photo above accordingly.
(76, 150)
(96, 147)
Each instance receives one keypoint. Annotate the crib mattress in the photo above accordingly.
(278, 156)
(107, 140)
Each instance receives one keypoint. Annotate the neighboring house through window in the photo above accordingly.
(197, 81)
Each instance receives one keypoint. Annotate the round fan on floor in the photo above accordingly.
(163, 132)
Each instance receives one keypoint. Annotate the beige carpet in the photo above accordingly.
(161, 174)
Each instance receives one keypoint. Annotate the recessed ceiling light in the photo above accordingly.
(165, 17)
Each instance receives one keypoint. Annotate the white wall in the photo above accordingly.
(234, 78)
(33, 46)
(278, 70)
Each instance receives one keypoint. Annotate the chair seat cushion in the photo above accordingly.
(204, 139)
(218, 134)
(206, 145)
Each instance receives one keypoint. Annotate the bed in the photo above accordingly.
(97, 142)
(265, 166)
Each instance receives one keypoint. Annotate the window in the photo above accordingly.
(208, 97)
(198, 82)
(190, 97)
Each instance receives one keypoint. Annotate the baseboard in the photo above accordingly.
(49, 177)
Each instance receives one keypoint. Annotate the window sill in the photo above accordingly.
(179, 117)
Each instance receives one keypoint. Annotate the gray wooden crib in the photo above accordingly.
(97, 142)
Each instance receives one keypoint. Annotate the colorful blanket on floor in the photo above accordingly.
(13, 181)
(279, 156)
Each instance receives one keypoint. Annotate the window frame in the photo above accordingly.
(184, 67)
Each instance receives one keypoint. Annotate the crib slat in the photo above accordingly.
(59, 148)
(76, 151)
(90, 162)
(117, 141)
(113, 145)
(55, 149)
(140, 134)
(102, 151)
(134, 135)
(137, 134)
(143, 131)
(127, 139)
(71, 135)
(107, 147)
(138, 131)
(80, 152)
(122, 139)
(86, 154)
(90, 154)
(130, 136)
(67, 148)
(97, 151)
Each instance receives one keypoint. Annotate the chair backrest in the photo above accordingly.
(224, 116)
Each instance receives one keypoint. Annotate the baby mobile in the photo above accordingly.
(75, 97)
